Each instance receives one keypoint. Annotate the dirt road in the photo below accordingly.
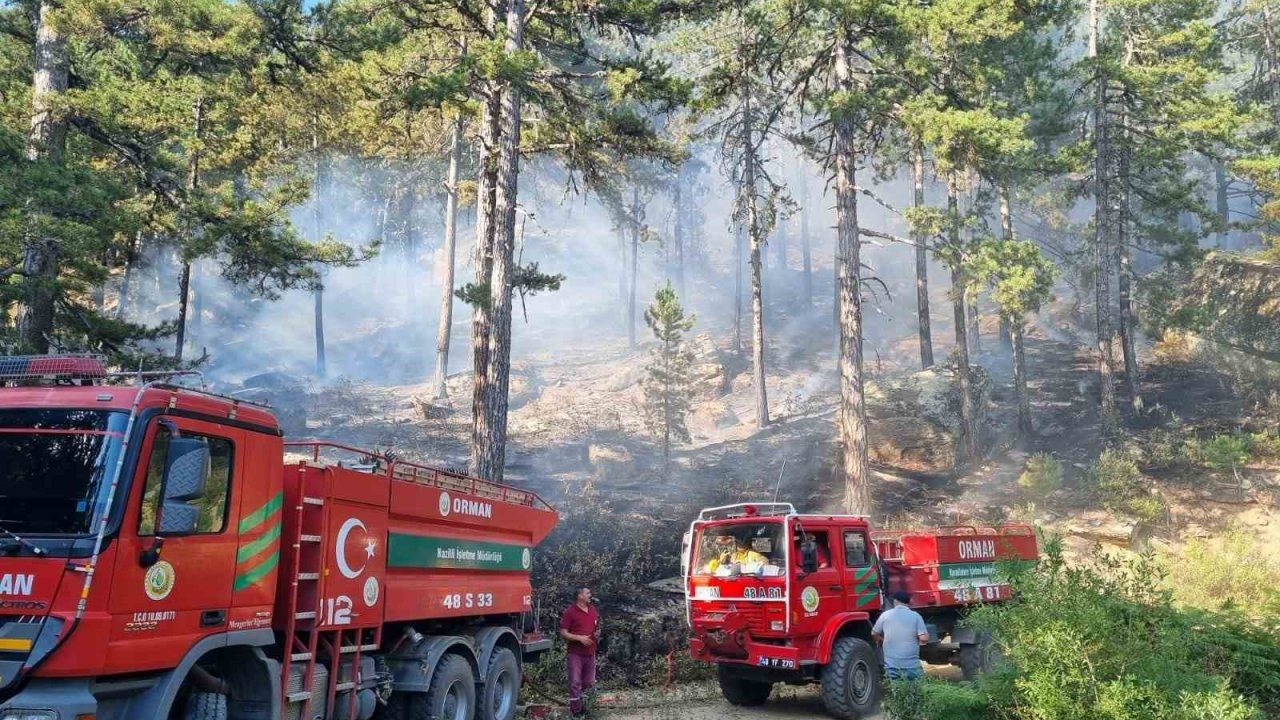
(786, 704)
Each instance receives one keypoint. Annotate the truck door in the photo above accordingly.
(817, 595)
(861, 572)
(174, 598)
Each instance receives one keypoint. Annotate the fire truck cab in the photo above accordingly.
(776, 596)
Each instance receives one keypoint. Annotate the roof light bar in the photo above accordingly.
(52, 367)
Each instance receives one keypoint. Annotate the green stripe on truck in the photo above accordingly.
(428, 551)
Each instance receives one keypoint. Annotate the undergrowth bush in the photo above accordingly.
(1042, 475)
(1120, 486)
(617, 553)
(932, 698)
(1225, 452)
(1234, 570)
(1106, 641)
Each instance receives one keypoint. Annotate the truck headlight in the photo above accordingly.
(23, 714)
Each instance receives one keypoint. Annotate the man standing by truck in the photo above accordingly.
(900, 632)
(580, 628)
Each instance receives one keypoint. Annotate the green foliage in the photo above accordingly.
(666, 386)
(931, 698)
(1225, 452)
(1234, 570)
(1020, 275)
(1115, 480)
(1042, 475)
(1104, 640)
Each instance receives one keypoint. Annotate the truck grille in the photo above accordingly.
(754, 612)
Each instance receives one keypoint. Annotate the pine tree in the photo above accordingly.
(667, 380)
(1021, 281)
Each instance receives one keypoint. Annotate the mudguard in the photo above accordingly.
(487, 640)
(412, 667)
(156, 701)
(835, 627)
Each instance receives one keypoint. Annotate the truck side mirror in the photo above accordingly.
(686, 544)
(809, 555)
(186, 468)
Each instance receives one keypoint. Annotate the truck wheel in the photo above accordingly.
(741, 691)
(453, 692)
(851, 681)
(501, 686)
(979, 657)
(205, 706)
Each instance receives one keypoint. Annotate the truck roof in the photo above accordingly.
(122, 397)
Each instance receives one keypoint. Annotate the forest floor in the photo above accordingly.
(577, 430)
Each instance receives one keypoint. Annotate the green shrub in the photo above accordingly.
(932, 698)
(1148, 508)
(1232, 570)
(1120, 486)
(1115, 475)
(1224, 452)
(1042, 475)
(1265, 444)
(1105, 640)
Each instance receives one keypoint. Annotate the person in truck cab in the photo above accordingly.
(900, 631)
(728, 553)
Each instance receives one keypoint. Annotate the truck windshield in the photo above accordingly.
(751, 548)
(54, 468)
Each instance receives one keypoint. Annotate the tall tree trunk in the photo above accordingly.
(486, 220)
(1271, 57)
(488, 454)
(317, 233)
(1020, 377)
(634, 272)
(46, 142)
(1103, 216)
(968, 413)
(739, 243)
(195, 327)
(851, 423)
(756, 234)
(130, 267)
(923, 324)
(1006, 227)
(450, 251)
(780, 241)
(677, 230)
(1124, 268)
(806, 252)
(184, 282)
(1223, 185)
(971, 297)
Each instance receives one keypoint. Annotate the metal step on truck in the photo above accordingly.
(161, 558)
(774, 596)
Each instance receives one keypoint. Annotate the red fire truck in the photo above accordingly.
(161, 558)
(774, 596)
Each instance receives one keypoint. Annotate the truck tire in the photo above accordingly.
(453, 692)
(501, 692)
(205, 706)
(739, 690)
(979, 657)
(851, 681)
